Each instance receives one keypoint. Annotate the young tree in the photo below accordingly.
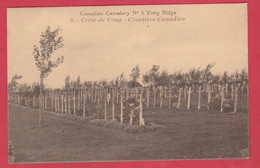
(50, 41)
(146, 78)
(67, 82)
(24, 88)
(195, 76)
(87, 84)
(207, 74)
(244, 76)
(12, 86)
(163, 79)
(120, 80)
(225, 77)
(36, 89)
(77, 84)
(152, 76)
(135, 75)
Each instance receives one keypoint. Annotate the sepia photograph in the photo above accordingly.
(127, 83)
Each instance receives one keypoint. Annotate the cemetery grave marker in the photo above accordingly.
(189, 94)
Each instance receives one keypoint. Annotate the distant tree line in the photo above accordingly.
(154, 77)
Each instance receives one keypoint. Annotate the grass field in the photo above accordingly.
(189, 135)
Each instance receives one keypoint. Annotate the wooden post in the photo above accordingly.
(95, 94)
(226, 89)
(79, 101)
(52, 102)
(39, 98)
(62, 103)
(147, 97)
(105, 106)
(65, 103)
(34, 101)
(247, 91)
(98, 108)
(28, 101)
(185, 92)
(165, 92)
(81, 94)
(131, 117)
(127, 93)
(117, 96)
(170, 97)
(92, 95)
(45, 99)
(154, 96)
(19, 99)
(25, 100)
(242, 88)
(88, 95)
(74, 103)
(232, 92)
(189, 92)
(161, 96)
(58, 103)
(235, 101)
(222, 98)
(40, 110)
(121, 108)
(179, 98)
(55, 101)
(141, 119)
(209, 95)
(136, 94)
(100, 97)
(69, 103)
(199, 97)
(204, 87)
(113, 104)
(84, 105)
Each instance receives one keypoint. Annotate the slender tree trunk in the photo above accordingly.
(235, 101)
(121, 110)
(222, 98)
(179, 98)
(199, 97)
(84, 104)
(41, 103)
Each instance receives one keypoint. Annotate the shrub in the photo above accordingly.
(10, 148)
(215, 103)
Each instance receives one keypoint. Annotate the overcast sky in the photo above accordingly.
(96, 51)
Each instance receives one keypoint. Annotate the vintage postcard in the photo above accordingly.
(126, 83)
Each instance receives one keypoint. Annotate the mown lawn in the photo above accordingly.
(189, 135)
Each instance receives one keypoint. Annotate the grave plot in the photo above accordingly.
(126, 108)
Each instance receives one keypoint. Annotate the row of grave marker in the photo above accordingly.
(98, 95)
